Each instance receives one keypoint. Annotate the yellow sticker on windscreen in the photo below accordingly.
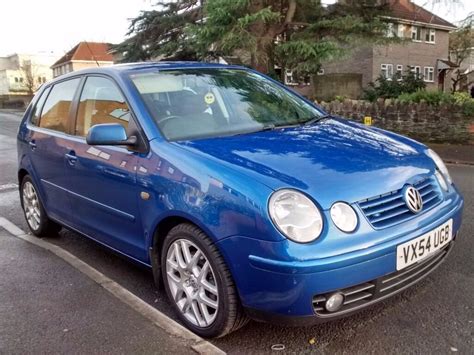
(209, 98)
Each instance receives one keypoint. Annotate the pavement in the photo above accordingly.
(47, 305)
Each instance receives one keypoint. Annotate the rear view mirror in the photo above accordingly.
(109, 134)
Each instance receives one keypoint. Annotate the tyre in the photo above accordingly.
(199, 284)
(38, 222)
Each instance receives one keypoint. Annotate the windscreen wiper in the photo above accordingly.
(316, 119)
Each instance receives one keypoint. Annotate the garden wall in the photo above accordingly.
(446, 123)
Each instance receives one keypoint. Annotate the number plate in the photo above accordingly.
(422, 247)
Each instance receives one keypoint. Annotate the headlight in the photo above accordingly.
(295, 215)
(440, 165)
(441, 181)
(344, 217)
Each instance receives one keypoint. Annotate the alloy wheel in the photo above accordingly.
(31, 205)
(192, 283)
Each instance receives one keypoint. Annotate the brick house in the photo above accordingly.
(83, 55)
(424, 51)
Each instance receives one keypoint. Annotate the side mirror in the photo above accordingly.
(109, 134)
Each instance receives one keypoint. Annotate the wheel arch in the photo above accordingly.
(160, 231)
(22, 172)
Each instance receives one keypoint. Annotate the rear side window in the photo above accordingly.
(101, 102)
(55, 112)
(35, 116)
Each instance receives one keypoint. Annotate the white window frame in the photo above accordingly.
(416, 69)
(387, 71)
(428, 74)
(431, 34)
(399, 71)
(414, 34)
(391, 30)
(289, 79)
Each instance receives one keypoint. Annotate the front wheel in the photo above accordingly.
(199, 284)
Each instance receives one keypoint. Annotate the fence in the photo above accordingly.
(445, 123)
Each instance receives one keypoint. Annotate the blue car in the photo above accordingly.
(245, 199)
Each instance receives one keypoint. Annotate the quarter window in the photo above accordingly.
(101, 102)
(37, 110)
(55, 112)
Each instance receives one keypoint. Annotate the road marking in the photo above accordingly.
(161, 320)
(8, 187)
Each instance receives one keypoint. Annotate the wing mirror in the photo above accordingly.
(109, 134)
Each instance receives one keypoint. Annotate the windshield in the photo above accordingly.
(190, 104)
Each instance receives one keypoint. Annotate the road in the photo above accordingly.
(435, 316)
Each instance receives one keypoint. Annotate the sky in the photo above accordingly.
(30, 26)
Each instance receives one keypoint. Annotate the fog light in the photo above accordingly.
(334, 302)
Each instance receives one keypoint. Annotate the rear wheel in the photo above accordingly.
(199, 284)
(35, 215)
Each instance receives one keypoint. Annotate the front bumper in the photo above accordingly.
(291, 291)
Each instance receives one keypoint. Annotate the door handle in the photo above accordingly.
(71, 157)
(32, 145)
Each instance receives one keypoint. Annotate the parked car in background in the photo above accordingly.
(245, 199)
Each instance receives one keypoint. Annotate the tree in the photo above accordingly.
(461, 44)
(290, 34)
(29, 72)
(295, 34)
(162, 33)
(406, 83)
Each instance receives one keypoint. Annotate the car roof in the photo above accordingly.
(127, 68)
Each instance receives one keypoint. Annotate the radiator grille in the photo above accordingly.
(390, 209)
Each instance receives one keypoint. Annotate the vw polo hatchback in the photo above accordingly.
(245, 199)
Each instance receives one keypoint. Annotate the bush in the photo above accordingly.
(466, 101)
(430, 97)
(436, 98)
(389, 89)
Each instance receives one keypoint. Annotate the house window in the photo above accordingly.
(430, 36)
(416, 70)
(399, 72)
(16, 79)
(44, 79)
(392, 30)
(416, 33)
(428, 74)
(21, 79)
(289, 79)
(386, 70)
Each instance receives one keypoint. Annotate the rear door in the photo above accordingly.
(47, 140)
(102, 180)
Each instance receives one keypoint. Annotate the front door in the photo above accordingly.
(102, 179)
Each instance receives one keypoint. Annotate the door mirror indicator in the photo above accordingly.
(109, 134)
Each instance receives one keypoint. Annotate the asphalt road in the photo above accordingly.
(435, 316)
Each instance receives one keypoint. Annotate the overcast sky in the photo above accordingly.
(30, 26)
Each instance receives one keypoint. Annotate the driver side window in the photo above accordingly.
(101, 102)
